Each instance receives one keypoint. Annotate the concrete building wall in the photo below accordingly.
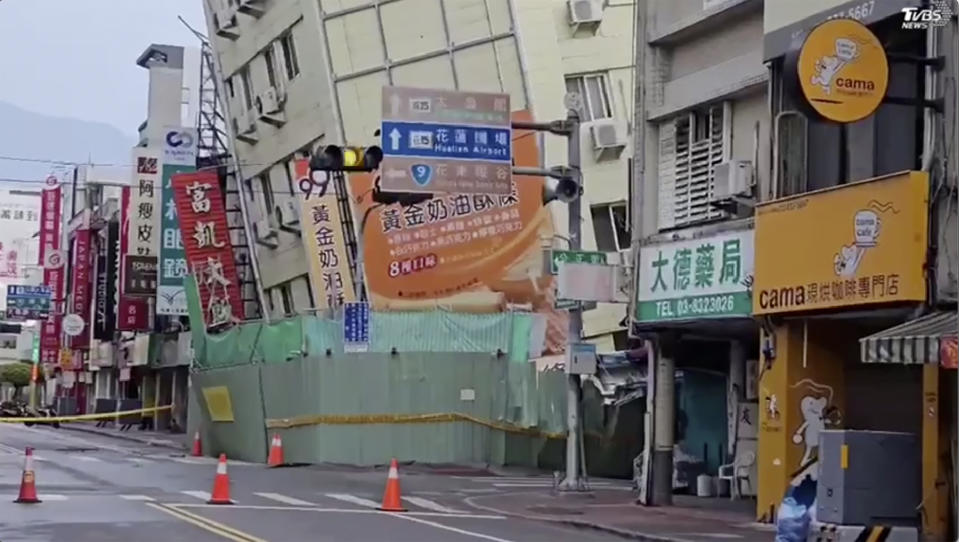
(349, 49)
(691, 67)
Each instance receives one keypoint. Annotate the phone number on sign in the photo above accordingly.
(715, 304)
(412, 265)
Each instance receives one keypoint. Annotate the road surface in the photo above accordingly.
(100, 489)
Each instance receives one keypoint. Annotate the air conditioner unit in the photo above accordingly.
(587, 14)
(246, 127)
(288, 214)
(225, 23)
(733, 178)
(255, 8)
(608, 138)
(269, 105)
(265, 233)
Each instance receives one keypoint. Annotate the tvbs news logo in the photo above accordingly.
(937, 14)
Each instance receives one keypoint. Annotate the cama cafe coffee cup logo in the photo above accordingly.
(937, 14)
(179, 143)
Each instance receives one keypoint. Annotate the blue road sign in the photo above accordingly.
(28, 302)
(356, 327)
(446, 141)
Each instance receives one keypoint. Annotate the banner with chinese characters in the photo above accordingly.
(708, 277)
(330, 276)
(209, 254)
(142, 223)
(19, 213)
(469, 253)
(54, 267)
(133, 308)
(80, 281)
(104, 322)
(171, 297)
(852, 245)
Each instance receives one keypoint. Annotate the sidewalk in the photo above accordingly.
(615, 512)
(149, 438)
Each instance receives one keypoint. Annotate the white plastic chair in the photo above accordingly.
(738, 471)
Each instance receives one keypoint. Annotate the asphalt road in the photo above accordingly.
(100, 489)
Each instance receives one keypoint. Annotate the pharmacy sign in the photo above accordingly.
(707, 277)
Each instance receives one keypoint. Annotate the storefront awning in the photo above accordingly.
(918, 341)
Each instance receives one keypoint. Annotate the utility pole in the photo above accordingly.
(569, 189)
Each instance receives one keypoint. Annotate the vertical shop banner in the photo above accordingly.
(179, 156)
(140, 219)
(209, 254)
(330, 275)
(53, 262)
(81, 295)
(104, 322)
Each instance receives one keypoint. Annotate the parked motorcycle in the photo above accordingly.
(20, 409)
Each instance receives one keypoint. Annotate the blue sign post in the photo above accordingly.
(356, 327)
(28, 302)
(446, 141)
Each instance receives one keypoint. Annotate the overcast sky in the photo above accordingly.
(77, 58)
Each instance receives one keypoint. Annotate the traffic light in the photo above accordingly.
(346, 158)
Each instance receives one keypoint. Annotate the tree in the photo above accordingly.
(17, 375)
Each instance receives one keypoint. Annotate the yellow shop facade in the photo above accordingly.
(835, 270)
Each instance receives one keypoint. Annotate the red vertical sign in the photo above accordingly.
(132, 312)
(53, 263)
(82, 265)
(206, 241)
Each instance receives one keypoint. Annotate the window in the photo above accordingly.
(247, 87)
(229, 88)
(267, 189)
(611, 227)
(289, 55)
(690, 148)
(286, 295)
(595, 94)
(268, 57)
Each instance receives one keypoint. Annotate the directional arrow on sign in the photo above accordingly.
(395, 139)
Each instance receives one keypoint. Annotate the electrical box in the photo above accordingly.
(869, 477)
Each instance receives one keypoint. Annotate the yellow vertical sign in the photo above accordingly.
(325, 244)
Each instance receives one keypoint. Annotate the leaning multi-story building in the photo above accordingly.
(299, 75)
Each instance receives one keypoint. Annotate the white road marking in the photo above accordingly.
(39, 458)
(353, 499)
(431, 505)
(44, 497)
(139, 460)
(337, 510)
(284, 499)
(89, 458)
(187, 460)
(448, 528)
(202, 495)
(142, 498)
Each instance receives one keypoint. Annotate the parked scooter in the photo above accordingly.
(20, 409)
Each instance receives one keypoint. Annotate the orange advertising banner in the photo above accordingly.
(469, 253)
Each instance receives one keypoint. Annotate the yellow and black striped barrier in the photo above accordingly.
(393, 419)
(86, 417)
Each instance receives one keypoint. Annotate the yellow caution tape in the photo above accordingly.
(86, 417)
(367, 419)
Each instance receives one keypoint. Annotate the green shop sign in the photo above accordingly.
(709, 277)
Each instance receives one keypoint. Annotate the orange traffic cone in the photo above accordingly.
(391, 497)
(197, 445)
(276, 452)
(28, 486)
(221, 484)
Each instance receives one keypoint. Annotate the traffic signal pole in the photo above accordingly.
(569, 128)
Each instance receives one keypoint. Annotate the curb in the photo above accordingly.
(580, 524)
(148, 442)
